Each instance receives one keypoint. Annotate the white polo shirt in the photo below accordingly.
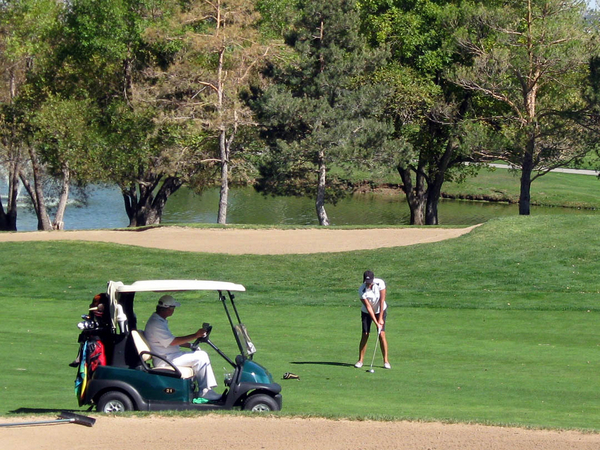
(159, 336)
(372, 295)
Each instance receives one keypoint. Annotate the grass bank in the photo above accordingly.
(502, 185)
(553, 189)
(499, 326)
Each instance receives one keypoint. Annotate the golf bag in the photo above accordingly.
(96, 354)
(91, 355)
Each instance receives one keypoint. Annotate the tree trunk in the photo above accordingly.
(223, 144)
(36, 193)
(224, 193)
(130, 201)
(416, 196)
(169, 187)
(417, 211)
(431, 211)
(8, 217)
(4, 219)
(321, 184)
(223, 197)
(59, 223)
(12, 83)
(143, 207)
(530, 86)
(526, 169)
(144, 214)
(434, 190)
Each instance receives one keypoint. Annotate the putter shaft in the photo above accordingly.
(375, 350)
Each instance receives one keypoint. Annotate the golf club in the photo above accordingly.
(64, 417)
(371, 370)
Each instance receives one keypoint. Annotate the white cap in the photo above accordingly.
(166, 301)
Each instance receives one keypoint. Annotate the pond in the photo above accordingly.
(105, 210)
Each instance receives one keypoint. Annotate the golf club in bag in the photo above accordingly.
(375, 351)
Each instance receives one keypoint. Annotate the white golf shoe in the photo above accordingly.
(358, 365)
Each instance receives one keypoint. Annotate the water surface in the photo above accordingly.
(105, 209)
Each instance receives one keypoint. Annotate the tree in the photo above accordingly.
(428, 111)
(531, 60)
(150, 151)
(149, 161)
(56, 131)
(106, 38)
(322, 108)
(24, 29)
(63, 147)
(221, 51)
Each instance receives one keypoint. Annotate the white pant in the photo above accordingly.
(200, 362)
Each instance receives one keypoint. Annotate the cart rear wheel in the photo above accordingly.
(114, 402)
(261, 403)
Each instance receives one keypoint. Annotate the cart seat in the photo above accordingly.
(147, 359)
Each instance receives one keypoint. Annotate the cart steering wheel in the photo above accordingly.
(194, 345)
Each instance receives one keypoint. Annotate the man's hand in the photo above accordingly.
(200, 333)
(184, 341)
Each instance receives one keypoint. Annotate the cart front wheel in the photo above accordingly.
(261, 403)
(114, 402)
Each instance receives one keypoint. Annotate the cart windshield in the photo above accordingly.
(246, 343)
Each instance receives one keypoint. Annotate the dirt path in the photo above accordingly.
(256, 433)
(258, 242)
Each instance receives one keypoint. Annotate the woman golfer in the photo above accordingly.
(372, 296)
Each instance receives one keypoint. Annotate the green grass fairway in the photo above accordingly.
(499, 326)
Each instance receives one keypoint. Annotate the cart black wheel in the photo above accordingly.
(260, 403)
(114, 402)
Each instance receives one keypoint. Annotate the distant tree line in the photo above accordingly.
(291, 95)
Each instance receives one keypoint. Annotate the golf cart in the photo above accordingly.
(128, 376)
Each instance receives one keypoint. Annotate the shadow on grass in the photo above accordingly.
(323, 363)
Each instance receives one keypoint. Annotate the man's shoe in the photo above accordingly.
(209, 394)
(358, 365)
(387, 366)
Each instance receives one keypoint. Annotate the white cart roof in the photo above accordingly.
(179, 285)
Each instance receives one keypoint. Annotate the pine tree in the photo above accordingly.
(322, 109)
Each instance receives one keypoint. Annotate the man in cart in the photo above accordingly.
(165, 344)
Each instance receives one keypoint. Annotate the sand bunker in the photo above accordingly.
(258, 242)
